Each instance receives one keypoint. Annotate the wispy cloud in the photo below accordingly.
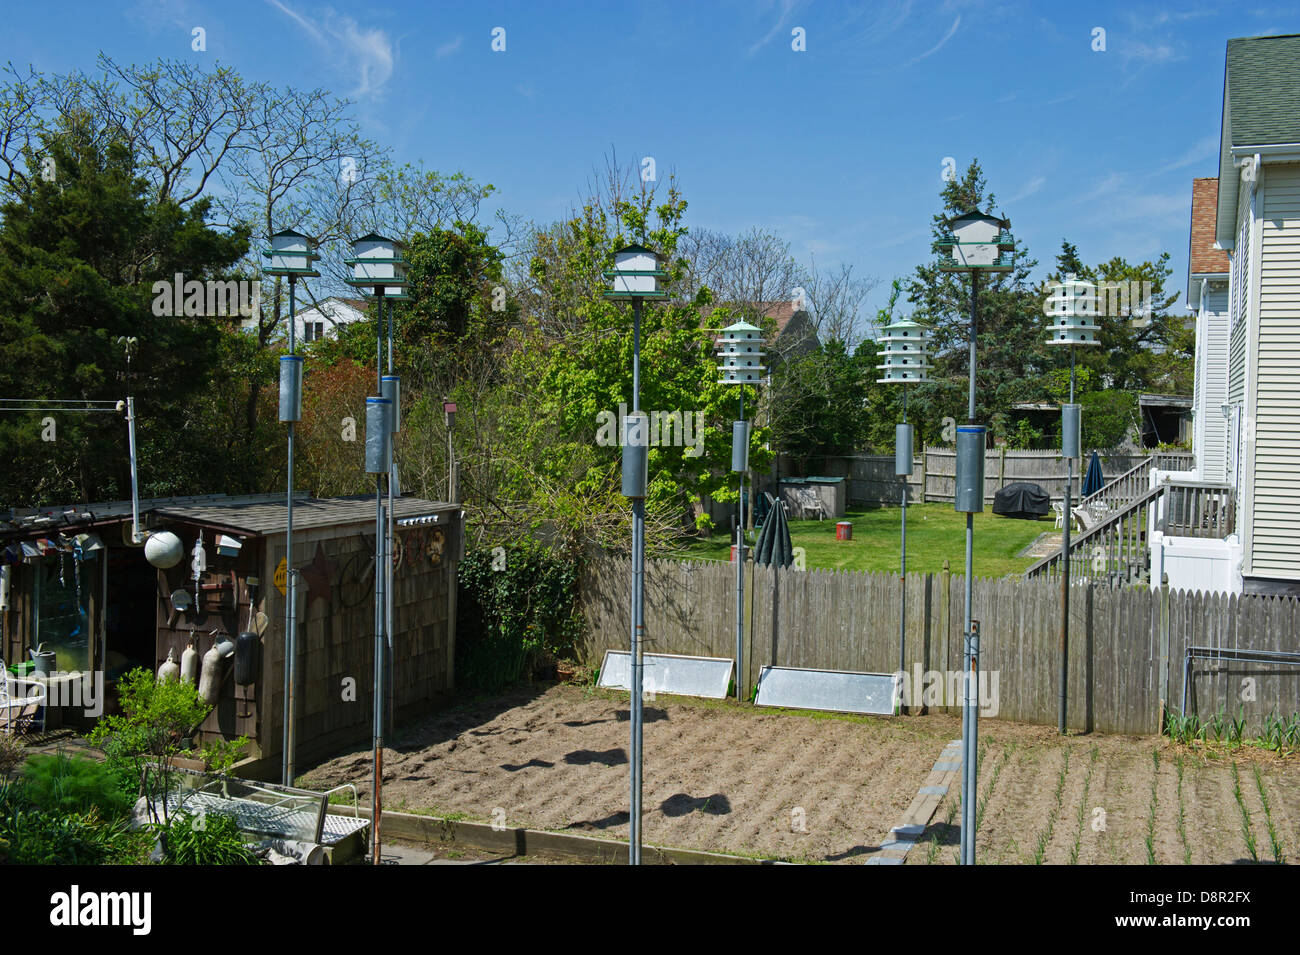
(938, 46)
(1029, 188)
(367, 50)
(1146, 53)
(787, 8)
(448, 48)
(1205, 148)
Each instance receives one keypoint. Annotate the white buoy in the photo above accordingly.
(163, 549)
(170, 671)
(190, 665)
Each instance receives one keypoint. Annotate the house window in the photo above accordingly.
(313, 331)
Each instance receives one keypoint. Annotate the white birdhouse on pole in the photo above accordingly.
(978, 242)
(1072, 308)
(378, 263)
(291, 254)
(905, 353)
(740, 349)
(636, 274)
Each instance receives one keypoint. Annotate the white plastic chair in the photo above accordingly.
(1058, 508)
(22, 702)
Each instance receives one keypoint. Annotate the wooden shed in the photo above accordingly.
(126, 612)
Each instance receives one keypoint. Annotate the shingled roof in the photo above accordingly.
(1202, 257)
(1261, 107)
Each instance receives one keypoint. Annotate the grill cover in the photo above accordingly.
(1022, 499)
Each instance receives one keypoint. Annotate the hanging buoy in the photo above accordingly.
(246, 646)
(163, 549)
(170, 671)
(210, 676)
(190, 665)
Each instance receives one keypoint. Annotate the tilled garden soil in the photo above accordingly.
(732, 778)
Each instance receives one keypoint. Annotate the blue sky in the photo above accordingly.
(838, 147)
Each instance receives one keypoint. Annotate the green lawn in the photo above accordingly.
(935, 532)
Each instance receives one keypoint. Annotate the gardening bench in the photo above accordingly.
(274, 811)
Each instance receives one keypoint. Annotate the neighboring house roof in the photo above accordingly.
(1261, 107)
(782, 312)
(1202, 257)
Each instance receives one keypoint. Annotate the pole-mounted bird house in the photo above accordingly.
(740, 349)
(378, 263)
(978, 242)
(291, 254)
(905, 353)
(1072, 308)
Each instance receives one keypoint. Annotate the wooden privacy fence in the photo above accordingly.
(871, 478)
(1127, 644)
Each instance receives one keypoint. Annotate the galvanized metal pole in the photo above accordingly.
(638, 620)
(388, 563)
(740, 568)
(135, 483)
(291, 593)
(902, 577)
(1062, 702)
(970, 708)
(380, 602)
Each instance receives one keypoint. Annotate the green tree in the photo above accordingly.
(78, 258)
(1010, 359)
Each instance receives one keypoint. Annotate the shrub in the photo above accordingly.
(209, 839)
(12, 752)
(154, 727)
(75, 784)
(515, 601)
(34, 835)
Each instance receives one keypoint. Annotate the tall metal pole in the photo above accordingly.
(902, 579)
(638, 622)
(380, 603)
(970, 709)
(740, 568)
(1065, 576)
(388, 564)
(291, 592)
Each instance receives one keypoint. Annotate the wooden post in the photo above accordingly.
(945, 626)
(1002, 467)
(925, 457)
(1163, 684)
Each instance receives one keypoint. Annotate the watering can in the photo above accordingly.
(44, 660)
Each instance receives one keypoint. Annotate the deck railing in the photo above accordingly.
(1114, 550)
(1198, 509)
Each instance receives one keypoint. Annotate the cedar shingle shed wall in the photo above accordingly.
(335, 700)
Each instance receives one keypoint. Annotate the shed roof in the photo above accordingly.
(248, 513)
(268, 517)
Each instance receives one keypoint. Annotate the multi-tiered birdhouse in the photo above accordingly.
(740, 349)
(904, 353)
(291, 254)
(377, 263)
(1072, 308)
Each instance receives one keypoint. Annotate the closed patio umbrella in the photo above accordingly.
(1093, 481)
(773, 547)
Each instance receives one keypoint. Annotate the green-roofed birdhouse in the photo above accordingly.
(377, 262)
(904, 353)
(291, 254)
(740, 348)
(978, 242)
(1072, 309)
(636, 274)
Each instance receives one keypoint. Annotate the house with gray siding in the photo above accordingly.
(1257, 223)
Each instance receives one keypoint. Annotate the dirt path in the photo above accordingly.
(732, 778)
